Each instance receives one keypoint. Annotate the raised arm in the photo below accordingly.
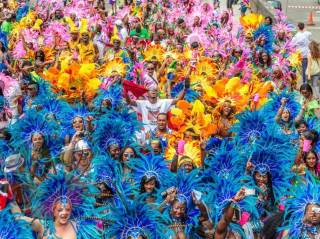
(222, 227)
(130, 101)
(34, 223)
(280, 111)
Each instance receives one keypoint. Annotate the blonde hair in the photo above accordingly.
(314, 49)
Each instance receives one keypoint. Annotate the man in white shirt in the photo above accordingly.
(301, 41)
(153, 106)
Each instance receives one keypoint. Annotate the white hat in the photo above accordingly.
(81, 145)
(12, 163)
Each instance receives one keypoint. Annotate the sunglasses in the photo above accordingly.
(128, 155)
(150, 69)
(83, 154)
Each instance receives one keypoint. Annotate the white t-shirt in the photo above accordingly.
(11, 94)
(301, 40)
(149, 112)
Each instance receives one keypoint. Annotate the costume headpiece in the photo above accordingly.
(111, 131)
(154, 53)
(303, 194)
(32, 123)
(265, 158)
(251, 126)
(115, 67)
(272, 107)
(72, 26)
(134, 219)
(63, 188)
(113, 95)
(150, 166)
(221, 191)
(84, 26)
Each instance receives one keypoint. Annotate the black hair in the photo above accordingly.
(26, 63)
(270, 19)
(272, 224)
(145, 180)
(138, 28)
(306, 87)
(270, 189)
(3, 49)
(300, 122)
(41, 55)
(124, 149)
(180, 21)
(261, 59)
(34, 83)
(194, 45)
(162, 114)
(301, 26)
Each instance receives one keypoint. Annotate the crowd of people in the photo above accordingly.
(163, 119)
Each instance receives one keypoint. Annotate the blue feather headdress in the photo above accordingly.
(33, 122)
(273, 105)
(223, 190)
(251, 126)
(295, 206)
(185, 183)
(225, 162)
(77, 110)
(58, 109)
(265, 32)
(109, 172)
(150, 166)
(3, 39)
(65, 188)
(275, 159)
(111, 131)
(113, 95)
(11, 228)
(134, 219)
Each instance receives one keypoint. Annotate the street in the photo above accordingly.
(299, 11)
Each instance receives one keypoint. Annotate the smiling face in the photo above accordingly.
(311, 160)
(162, 121)
(128, 154)
(302, 128)
(62, 212)
(188, 167)
(261, 179)
(305, 93)
(83, 157)
(37, 141)
(312, 214)
(114, 151)
(77, 124)
(85, 37)
(150, 185)
(226, 109)
(285, 116)
(178, 209)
